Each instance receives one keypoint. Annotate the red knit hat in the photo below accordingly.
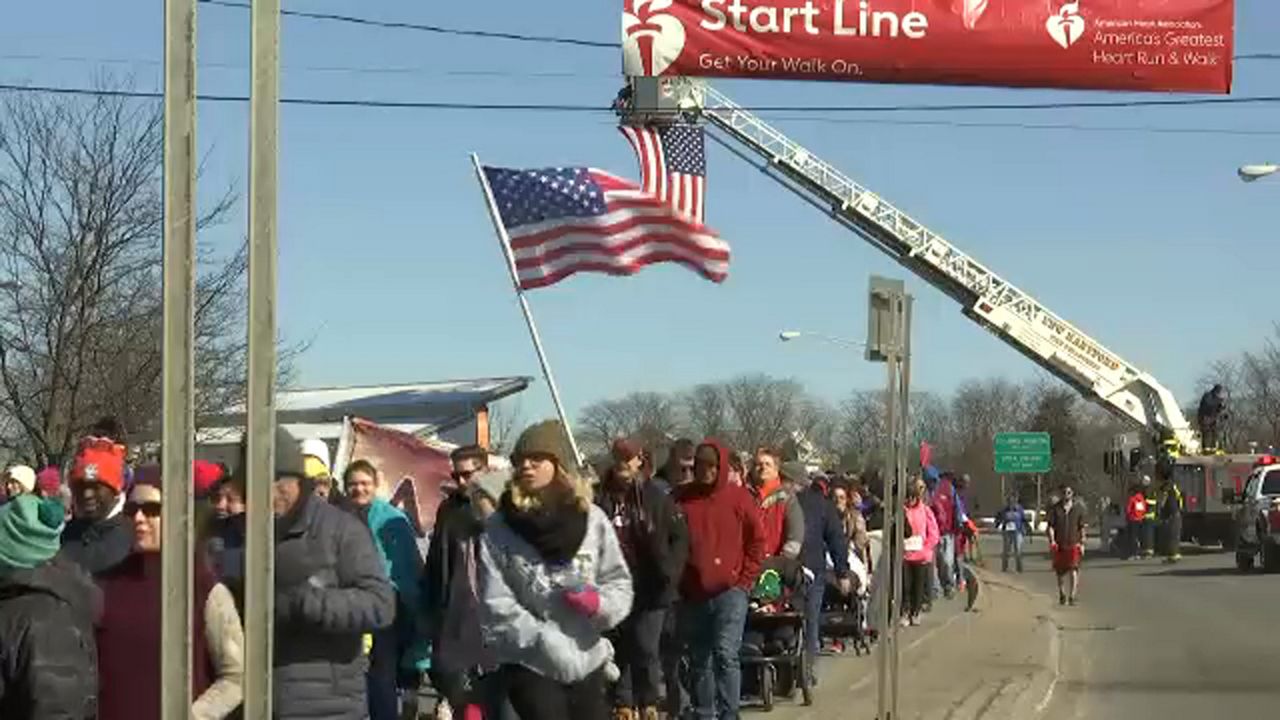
(100, 460)
(49, 481)
(625, 449)
(204, 475)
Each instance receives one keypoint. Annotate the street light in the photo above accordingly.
(1249, 173)
(789, 335)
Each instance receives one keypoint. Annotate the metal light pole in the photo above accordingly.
(178, 357)
(260, 415)
(789, 335)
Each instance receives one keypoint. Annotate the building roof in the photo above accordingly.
(416, 407)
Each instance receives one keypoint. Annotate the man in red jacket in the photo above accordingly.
(726, 549)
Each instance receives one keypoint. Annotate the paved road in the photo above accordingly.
(1192, 640)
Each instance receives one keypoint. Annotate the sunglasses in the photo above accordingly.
(148, 509)
(463, 474)
(536, 457)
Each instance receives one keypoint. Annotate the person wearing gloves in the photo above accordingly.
(331, 589)
(19, 480)
(48, 660)
(554, 580)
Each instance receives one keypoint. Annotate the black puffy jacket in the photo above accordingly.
(48, 659)
(659, 536)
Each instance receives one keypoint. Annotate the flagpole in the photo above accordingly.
(505, 241)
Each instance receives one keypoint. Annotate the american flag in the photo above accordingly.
(566, 220)
(673, 164)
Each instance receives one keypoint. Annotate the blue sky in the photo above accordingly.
(388, 264)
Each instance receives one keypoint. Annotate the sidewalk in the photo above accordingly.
(993, 662)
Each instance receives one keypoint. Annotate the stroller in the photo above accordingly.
(844, 618)
(773, 643)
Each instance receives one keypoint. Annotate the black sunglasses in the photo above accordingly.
(463, 474)
(149, 509)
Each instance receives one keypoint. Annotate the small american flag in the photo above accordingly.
(574, 219)
(673, 164)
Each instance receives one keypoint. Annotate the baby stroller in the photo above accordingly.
(844, 617)
(773, 660)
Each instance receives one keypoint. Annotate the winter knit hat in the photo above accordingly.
(315, 458)
(49, 481)
(30, 532)
(205, 475)
(796, 473)
(24, 476)
(546, 438)
(100, 460)
(625, 449)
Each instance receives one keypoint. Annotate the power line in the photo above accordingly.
(565, 107)
(438, 29)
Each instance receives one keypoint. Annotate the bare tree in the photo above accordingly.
(764, 410)
(707, 410)
(862, 435)
(81, 226)
(649, 418)
(506, 421)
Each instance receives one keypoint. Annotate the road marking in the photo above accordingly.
(1055, 664)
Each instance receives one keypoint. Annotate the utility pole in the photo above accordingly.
(177, 436)
(260, 403)
(889, 341)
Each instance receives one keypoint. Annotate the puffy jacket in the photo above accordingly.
(726, 536)
(660, 537)
(525, 620)
(824, 534)
(48, 658)
(456, 525)
(331, 589)
(924, 526)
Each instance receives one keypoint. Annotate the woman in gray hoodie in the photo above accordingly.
(554, 581)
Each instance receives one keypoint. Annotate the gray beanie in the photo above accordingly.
(795, 473)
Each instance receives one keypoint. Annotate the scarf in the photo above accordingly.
(555, 526)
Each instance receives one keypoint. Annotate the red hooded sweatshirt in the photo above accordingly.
(726, 537)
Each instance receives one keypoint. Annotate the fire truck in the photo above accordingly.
(994, 303)
(1211, 486)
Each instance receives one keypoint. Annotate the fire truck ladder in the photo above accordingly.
(994, 303)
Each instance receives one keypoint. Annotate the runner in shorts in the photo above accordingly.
(1066, 544)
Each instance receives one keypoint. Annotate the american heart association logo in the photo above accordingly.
(651, 39)
(1067, 26)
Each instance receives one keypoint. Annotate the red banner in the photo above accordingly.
(1160, 45)
(413, 472)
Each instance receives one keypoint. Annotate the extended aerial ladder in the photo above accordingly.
(994, 303)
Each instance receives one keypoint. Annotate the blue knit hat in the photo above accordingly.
(30, 531)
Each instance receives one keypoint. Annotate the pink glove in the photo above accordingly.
(585, 601)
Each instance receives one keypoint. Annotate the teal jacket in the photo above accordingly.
(397, 545)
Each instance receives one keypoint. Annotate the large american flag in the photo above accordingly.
(673, 164)
(566, 220)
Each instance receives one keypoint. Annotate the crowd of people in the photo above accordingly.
(546, 591)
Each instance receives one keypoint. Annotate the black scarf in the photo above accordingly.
(555, 528)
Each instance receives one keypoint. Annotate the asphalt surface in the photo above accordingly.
(1196, 639)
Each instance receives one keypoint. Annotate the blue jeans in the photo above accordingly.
(715, 642)
(1012, 546)
(946, 565)
(813, 623)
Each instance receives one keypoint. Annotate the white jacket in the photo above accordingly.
(525, 620)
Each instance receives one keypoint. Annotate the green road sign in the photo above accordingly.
(1023, 452)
